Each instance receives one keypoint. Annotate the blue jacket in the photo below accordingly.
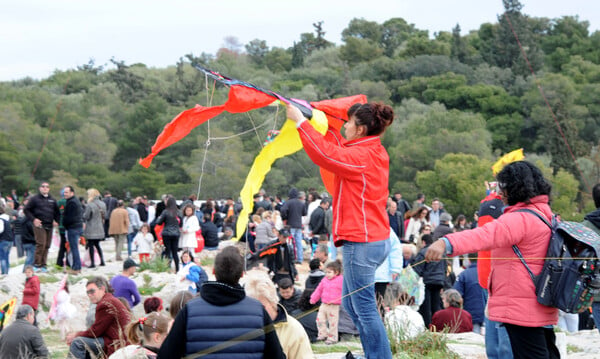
(220, 316)
(393, 263)
(474, 297)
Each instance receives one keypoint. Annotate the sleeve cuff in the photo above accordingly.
(300, 122)
(448, 245)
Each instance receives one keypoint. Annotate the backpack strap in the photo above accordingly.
(516, 249)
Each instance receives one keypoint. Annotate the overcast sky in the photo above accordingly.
(39, 36)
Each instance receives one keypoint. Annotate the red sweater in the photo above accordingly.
(456, 319)
(31, 292)
(361, 169)
(110, 322)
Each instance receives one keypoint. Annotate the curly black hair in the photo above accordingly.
(522, 181)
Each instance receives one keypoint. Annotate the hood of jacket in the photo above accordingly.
(594, 217)
(293, 193)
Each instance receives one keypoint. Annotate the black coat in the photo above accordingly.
(44, 209)
(432, 272)
(317, 221)
(73, 215)
(210, 234)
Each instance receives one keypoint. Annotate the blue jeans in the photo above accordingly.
(81, 345)
(497, 342)
(130, 237)
(360, 262)
(298, 238)
(5, 247)
(596, 314)
(29, 249)
(332, 249)
(73, 235)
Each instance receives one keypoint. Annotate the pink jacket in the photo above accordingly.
(329, 291)
(512, 292)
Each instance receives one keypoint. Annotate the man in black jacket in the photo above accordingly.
(281, 261)
(73, 223)
(223, 321)
(42, 209)
(317, 222)
(291, 214)
(210, 233)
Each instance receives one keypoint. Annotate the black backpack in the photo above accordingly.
(570, 277)
(7, 234)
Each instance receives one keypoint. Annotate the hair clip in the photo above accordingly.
(141, 322)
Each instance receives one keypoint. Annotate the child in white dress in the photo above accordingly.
(62, 310)
(144, 240)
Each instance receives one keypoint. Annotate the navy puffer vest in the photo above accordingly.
(210, 325)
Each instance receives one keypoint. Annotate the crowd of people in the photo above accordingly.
(257, 307)
(453, 300)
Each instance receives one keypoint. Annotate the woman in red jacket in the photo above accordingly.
(360, 164)
(512, 298)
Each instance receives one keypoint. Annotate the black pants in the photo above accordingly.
(432, 302)
(532, 343)
(380, 288)
(62, 251)
(171, 243)
(91, 244)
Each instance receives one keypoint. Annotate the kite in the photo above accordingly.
(6, 310)
(326, 116)
(510, 157)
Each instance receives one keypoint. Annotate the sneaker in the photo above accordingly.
(44, 270)
(349, 355)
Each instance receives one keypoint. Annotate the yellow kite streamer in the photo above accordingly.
(286, 143)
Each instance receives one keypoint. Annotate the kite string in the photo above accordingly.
(208, 104)
(254, 127)
(241, 133)
(539, 86)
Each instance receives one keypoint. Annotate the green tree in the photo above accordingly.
(130, 84)
(356, 50)
(278, 60)
(257, 50)
(425, 133)
(9, 162)
(559, 92)
(395, 32)
(457, 179)
(567, 37)
(458, 49)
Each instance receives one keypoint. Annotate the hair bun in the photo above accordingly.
(383, 113)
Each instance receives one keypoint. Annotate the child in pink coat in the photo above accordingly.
(329, 291)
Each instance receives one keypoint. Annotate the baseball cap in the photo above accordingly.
(129, 263)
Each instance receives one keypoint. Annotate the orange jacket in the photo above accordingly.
(512, 292)
(361, 169)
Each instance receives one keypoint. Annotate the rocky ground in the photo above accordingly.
(583, 344)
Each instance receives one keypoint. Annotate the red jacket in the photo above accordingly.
(512, 292)
(361, 169)
(457, 320)
(31, 292)
(111, 319)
